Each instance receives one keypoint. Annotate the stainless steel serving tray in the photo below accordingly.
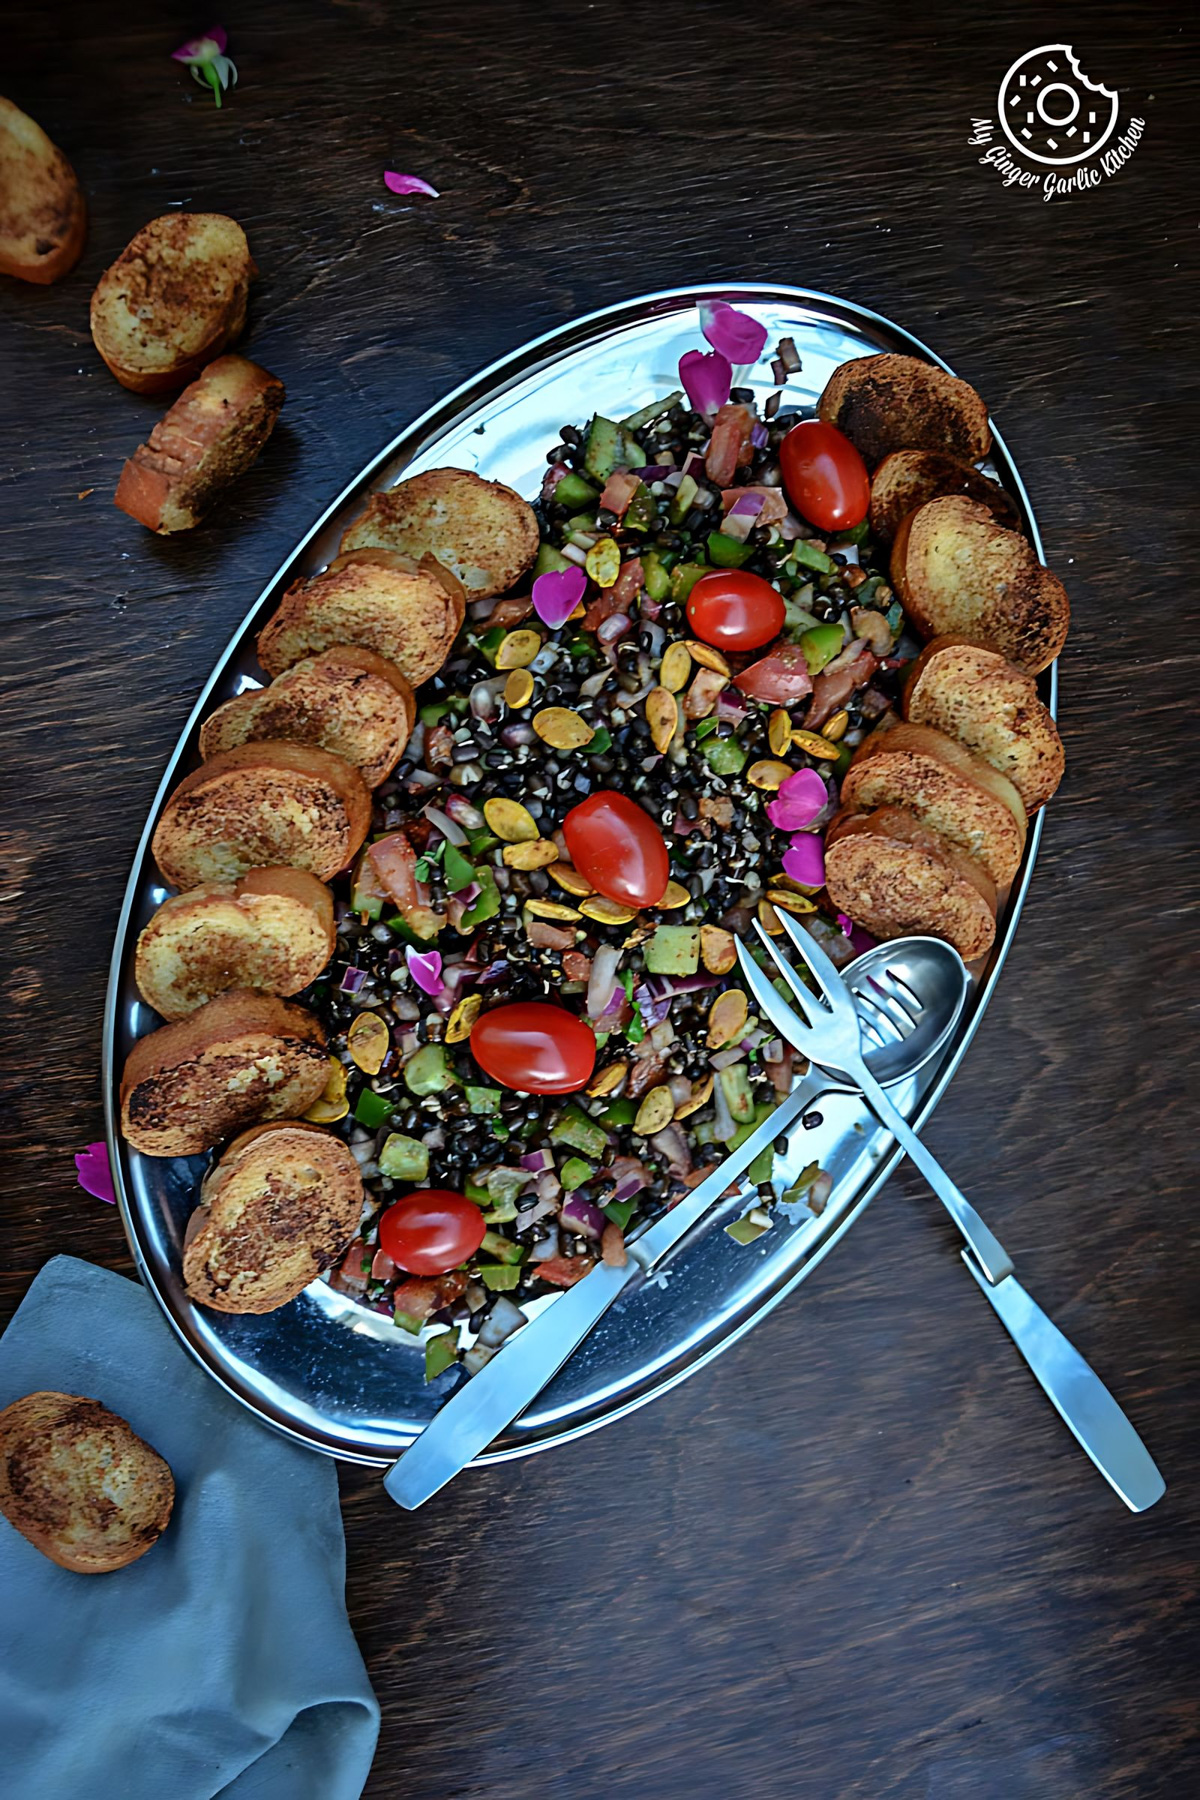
(323, 1370)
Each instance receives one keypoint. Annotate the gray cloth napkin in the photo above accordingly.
(220, 1663)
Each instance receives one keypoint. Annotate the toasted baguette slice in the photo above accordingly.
(280, 1206)
(241, 1057)
(957, 571)
(80, 1484)
(347, 700)
(173, 300)
(211, 435)
(895, 876)
(908, 478)
(948, 788)
(43, 219)
(983, 701)
(273, 931)
(482, 531)
(262, 805)
(889, 402)
(405, 611)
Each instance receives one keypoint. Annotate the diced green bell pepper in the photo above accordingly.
(549, 559)
(620, 1211)
(601, 741)
(459, 872)
(575, 1172)
(736, 1088)
(502, 1248)
(725, 552)
(807, 556)
(487, 905)
(434, 711)
(604, 446)
(820, 646)
(582, 1133)
(685, 493)
(499, 1277)
(490, 642)
(372, 1110)
(655, 578)
(575, 492)
(673, 950)
(725, 756)
(404, 1158)
(429, 1071)
(620, 1112)
(475, 1191)
(440, 1352)
(684, 577)
(483, 1100)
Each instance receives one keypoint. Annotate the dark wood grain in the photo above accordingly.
(857, 1558)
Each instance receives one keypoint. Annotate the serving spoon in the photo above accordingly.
(909, 996)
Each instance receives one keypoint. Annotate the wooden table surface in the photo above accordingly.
(858, 1556)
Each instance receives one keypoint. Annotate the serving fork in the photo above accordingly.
(825, 1027)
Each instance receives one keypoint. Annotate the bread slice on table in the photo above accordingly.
(895, 876)
(273, 930)
(957, 570)
(347, 700)
(260, 806)
(409, 612)
(239, 1058)
(211, 435)
(43, 219)
(482, 531)
(280, 1206)
(80, 1484)
(909, 478)
(947, 788)
(983, 701)
(890, 402)
(173, 300)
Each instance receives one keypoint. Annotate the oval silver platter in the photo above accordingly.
(323, 1370)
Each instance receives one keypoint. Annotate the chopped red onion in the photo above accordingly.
(614, 627)
(548, 1187)
(546, 1247)
(737, 524)
(578, 1214)
(654, 1007)
(774, 1051)
(352, 980)
(603, 980)
(724, 1124)
(536, 1161)
(746, 503)
(657, 471)
(671, 1143)
(663, 987)
(760, 437)
(725, 1059)
(574, 554)
(463, 813)
(480, 610)
(445, 824)
(495, 971)
(504, 1318)
(731, 705)
(633, 1177)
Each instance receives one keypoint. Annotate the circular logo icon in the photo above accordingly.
(1050, 111)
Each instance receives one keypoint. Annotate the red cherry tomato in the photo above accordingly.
(431, 1231)
(826, 478)
(619, 848)
(734, 610)
(533, 1046)
(782, 677)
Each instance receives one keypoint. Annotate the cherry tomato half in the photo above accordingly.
(431, 1231)
(619, 848)
(734, 610)
(533, 1046)
(825, 477)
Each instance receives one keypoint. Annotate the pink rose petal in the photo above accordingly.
(202, 49)
(557, 593)
(798, 801)
(804, 860)
(425, 967)
(408, 184)
(735, 334)
(94, 1174)
(706, 379)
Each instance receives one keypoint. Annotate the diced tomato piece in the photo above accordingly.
(619, 490)
(618, 598)
(350, 1276)
(421, 1295)
(563, 1271)
(383, 1268)
(576, 966)
(835, 684)
(393, 863)
(510, 611)
(774, 503)
(780, 677)
(730, 446)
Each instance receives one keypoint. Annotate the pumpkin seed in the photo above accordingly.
(779, 730)
(675, 667)
(717, 949)
(562, 729)
(768, 918)
(568, 877)
(608, 1080)
(812, 745)
(835, 729)
(368, 1042)
(767, 774)
(551, 909)
(656, 1110)
(726, 1018)
(603, 562)
(332, 1103)
(458, 1026)
(518, 689)
(510, 821)
(707, 657)
(795, 903)
(518, 649)
(662, 716)
(695, 1099)
(607, 912)
(675, 895)
(536, 855)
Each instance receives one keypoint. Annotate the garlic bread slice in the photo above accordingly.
(482, 531)
(908, 478)
(983, 701)
(895, 876)
(43, 219)
(892, 402)
(409, 612)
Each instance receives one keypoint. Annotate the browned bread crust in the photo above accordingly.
(406, 611)
(239, 1058)
(211, 435)
(347, 700)
(948, 788)
(889, 402)
(280, 1205)
(173, 300)
(43, 219)
(78, 1482)
(894, 876)
(482, 531)
(983, 701)
(273, 930)
(957, 570)
(262, 805)
(908, 478)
